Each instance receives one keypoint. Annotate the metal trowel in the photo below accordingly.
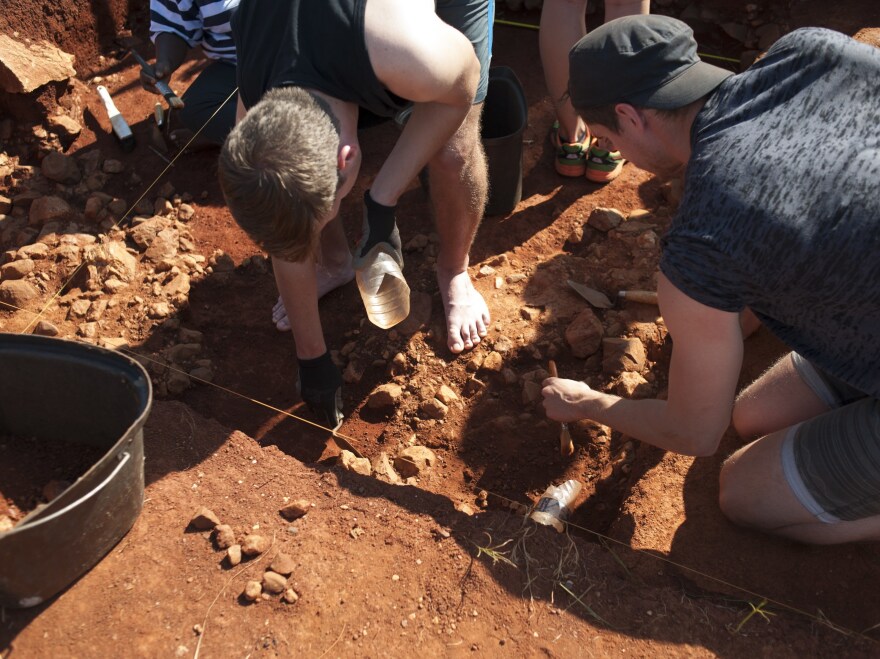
(591, 295)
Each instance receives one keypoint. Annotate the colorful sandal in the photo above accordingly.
(571, 157)
(603, 166)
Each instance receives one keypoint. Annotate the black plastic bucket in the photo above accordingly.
(505, 115)
(52, 389)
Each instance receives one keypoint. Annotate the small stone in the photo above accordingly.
(204, 520)
(493, 362)
(185, 212)
(233, 555)
(385, 396)
(254, 545)
(350, 462)
(584, 334)
(273, 583)
(282, 564)
(17, 269)
(45, 328)
(224, 536)
(529, 313)
(434, 409)
(531, 392)
(605, 219)
(632, 385)
(622, 354)
(112, 166)
(414, 460)
(382, 468)
(47, 209)
(295, 509)
(446, 395)
(290, 596)
(18, 293)
(252, 591)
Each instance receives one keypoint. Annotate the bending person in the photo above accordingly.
(777, 231)
(305, 70)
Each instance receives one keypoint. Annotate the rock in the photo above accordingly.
(178, 286)
(94, 206)
(25, 67)
(65, 127)
(434, 409)
(584, 334)
(204, 520)
(5, 204)
(350, 462)
(45, 328)
(282, 564)
(60, 168)
(17, 269)
(164, 245)
(112, 166)
(233, 555)
(531, 392)
(295, 509)
(290, 596)
(385, 396)
(493, 362)
(605, 219)
(252, 591)
(224, 536)
(47, 209)
(162, 207)
(528, 313)
(273, 583)
(503, 345)
(220, 261)
(622, 354)
(185, 212)
(144, 233)
(414, 460)
(159, 310)
(632, 385)
(445, 395)
(18, 293)
(382, 468)
(254, 545)
(177, 382)
(35, 251)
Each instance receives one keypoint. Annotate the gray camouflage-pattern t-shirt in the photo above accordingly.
(781, 204)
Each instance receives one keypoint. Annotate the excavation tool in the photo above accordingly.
(174, 101)
(591, 295)
(566, 446)
(645, 297)
(121, 129)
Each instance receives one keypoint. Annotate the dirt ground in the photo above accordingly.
(441, 564)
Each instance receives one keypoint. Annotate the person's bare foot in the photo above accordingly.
(328, 280)
(467, 316)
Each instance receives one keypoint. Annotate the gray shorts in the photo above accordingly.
(832, 462)
(474, 19)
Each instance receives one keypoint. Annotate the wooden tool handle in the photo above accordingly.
(552, 367)
(644, 297)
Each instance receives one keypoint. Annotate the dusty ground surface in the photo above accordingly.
(650, 566)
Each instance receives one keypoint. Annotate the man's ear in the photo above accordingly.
(347, 155)
(629, 116)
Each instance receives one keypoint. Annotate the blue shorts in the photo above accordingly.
(474, 19)
(832, 461)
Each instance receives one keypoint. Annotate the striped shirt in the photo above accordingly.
(202, 23)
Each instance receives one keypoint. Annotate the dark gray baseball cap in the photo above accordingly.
(648, 61)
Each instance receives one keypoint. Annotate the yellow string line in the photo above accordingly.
(128, 212)
(826, 623)
(531, 26)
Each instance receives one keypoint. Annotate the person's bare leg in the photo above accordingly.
(459, 187)
(776, 400)
(754, 493)
(562, 25)
(331, 271)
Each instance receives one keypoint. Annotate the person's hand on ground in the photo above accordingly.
(162, 69)
(320, 385)
(563, 398)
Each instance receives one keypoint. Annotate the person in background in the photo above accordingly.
(576, 152)
(176, 26)
(767, 225)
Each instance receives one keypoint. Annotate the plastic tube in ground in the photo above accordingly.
(554, 507)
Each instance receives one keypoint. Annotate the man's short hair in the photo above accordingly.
(278, 171)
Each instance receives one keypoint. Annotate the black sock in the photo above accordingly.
(380, 220)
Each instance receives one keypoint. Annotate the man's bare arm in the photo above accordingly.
(706, 361)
